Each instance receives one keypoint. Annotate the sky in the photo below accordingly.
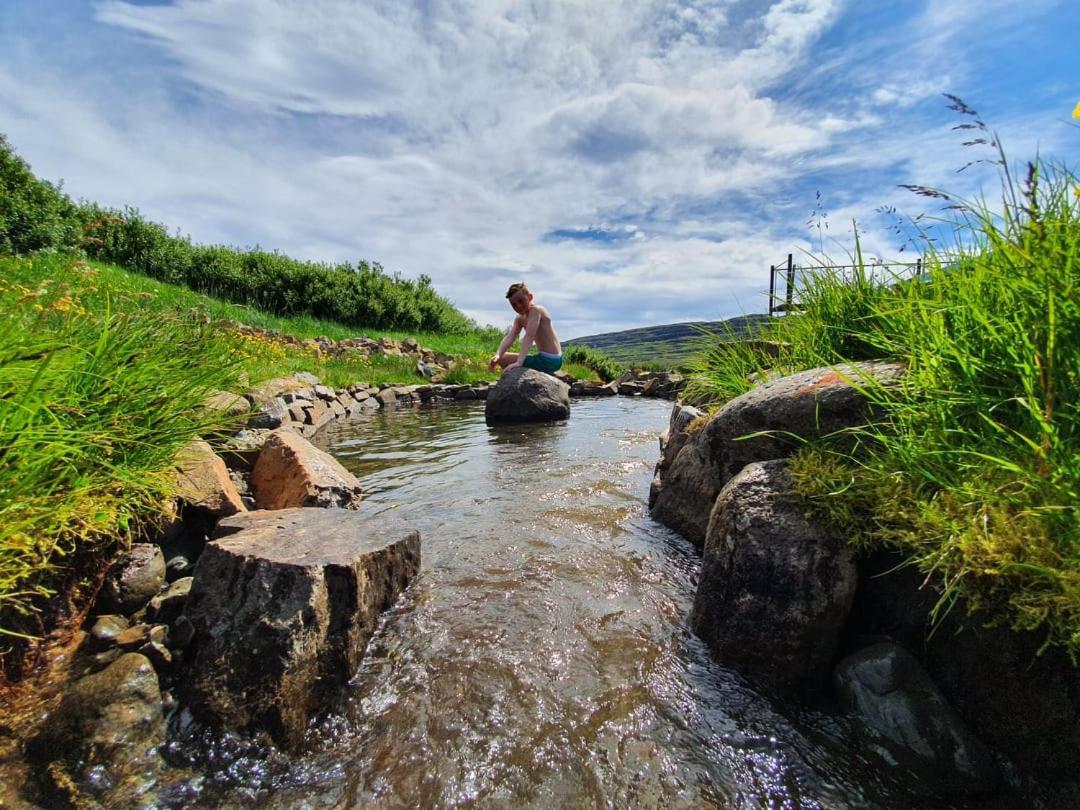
(636, 162)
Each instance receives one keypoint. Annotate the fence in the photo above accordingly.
(792, 278)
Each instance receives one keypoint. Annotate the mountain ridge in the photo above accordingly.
(669, 344)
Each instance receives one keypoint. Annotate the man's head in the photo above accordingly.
(519, 297)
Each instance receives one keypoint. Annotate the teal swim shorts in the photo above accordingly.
(542, 361)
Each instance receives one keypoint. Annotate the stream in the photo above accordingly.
(541, 658)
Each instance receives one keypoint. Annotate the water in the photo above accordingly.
(541, 658)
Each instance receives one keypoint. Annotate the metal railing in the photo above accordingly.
(788, 276)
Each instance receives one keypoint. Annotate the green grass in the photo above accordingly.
(102, 376)
(94, 404)
(975, 475)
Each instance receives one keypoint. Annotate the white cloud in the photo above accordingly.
(451, 137)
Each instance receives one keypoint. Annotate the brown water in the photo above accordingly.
(541, 658)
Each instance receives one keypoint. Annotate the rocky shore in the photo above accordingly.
(959, 712)
(248, 606)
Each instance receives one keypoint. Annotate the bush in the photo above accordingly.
(34, 214)
(606, 368)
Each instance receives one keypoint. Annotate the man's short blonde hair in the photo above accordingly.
(516, 287)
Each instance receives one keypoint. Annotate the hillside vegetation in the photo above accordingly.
(672, 345)
(975, 475)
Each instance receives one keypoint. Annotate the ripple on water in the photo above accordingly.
(541, 658)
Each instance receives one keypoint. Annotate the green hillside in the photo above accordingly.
(669, 345)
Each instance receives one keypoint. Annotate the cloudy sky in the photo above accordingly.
(635, 161)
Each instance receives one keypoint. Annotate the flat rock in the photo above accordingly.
(283, 605)
(291, 472)
(527, 395)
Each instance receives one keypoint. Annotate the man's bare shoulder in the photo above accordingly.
(542, 310)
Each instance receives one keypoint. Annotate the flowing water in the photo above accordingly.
(541, 658)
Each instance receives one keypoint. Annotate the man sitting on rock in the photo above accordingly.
(536, 322)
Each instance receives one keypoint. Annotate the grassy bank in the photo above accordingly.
(975, 476)
(102, 376)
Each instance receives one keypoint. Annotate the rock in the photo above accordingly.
(203, 481)
(140, 634)
(227, 403)
(270, 416)
(1038, 728)
(182, 632)
(266, 392)
(105, 630)
(101, 743)
(292, 472)
(527, 395)
(178, 567)
(306, 378)
(386, 397)
(672, 441)
(167, 605)
(283, 606)
(809, 404)
(775, 588)
(134, 580)
(911, 723)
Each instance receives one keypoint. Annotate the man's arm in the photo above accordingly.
(532, 323)
(507, 342)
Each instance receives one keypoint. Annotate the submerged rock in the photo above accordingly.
(283, 605)
(911, 723)
(101, 743)
(292, 472)
(527, 395)
(775, 588)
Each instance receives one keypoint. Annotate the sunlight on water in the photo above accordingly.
(541, 658)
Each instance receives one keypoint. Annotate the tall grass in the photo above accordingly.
(94, 404)
(975, 475)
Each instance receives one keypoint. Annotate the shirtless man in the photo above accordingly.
(536, 322)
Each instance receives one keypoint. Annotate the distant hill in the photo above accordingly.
(669, 345)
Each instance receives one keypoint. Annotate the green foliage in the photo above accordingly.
(360, 295)
(976, 472)
(606, 368)
(94, 404)
(34, 215)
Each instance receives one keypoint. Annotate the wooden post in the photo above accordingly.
(790, 282)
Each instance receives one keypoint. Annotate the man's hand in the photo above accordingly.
(518, 364)
(494, 361)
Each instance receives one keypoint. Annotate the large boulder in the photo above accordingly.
(283, 604)
(775, 587)
(527, 395)
(906, 720)
(203, 481)
(290, 472)
(764, 423)
(100, 746)
(672, 441)
(134, 579)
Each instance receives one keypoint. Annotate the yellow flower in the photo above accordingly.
(1076, 111)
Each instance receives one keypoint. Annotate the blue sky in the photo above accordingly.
(635, 162)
